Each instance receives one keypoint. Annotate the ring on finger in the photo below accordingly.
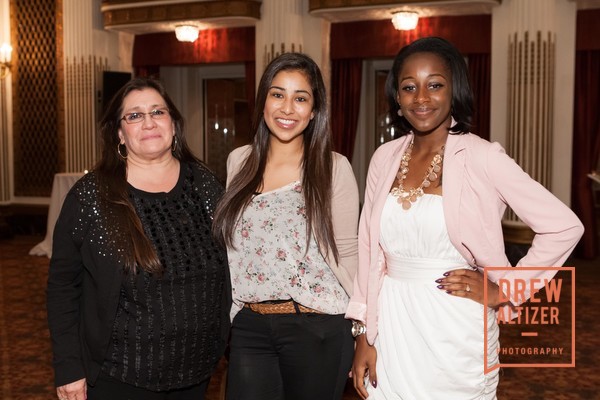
(468, 289)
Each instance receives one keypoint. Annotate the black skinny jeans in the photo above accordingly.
(289, 356)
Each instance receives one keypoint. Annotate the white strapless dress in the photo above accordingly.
(430, 344)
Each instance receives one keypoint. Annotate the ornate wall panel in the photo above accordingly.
(81, 80)
(35, 96)
(280, 28)
(530, 104)
(530, 97)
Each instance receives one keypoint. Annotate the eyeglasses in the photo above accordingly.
(137, 117)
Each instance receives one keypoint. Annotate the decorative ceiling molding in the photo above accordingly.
(140, 17)
(357, 10)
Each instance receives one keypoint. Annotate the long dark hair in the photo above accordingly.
(111, 171)
(316, 165)
(462, 95)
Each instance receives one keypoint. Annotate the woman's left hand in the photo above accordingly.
(470, 283)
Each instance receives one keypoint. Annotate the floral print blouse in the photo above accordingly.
(269, 259)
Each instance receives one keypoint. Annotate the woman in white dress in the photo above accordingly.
(431, 222)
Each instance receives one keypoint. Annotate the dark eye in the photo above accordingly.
(133, 116)
(408, 88)
(436, 85)
(158, 113)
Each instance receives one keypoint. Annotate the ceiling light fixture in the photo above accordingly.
(186, 33)
(405, 20)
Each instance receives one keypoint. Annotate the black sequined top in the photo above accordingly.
(158, 333)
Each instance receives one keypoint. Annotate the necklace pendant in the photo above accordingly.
(407, 197)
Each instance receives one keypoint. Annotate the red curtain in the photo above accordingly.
(479, 73)
(346, 76)
(586, 146)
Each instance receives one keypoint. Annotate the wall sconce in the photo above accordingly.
(186, 33)
(5, 52)
(405, 20)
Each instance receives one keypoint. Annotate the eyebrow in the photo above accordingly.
(283, 89)
(429, 76)
(152, 107)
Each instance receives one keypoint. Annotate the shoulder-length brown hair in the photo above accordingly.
(111, 171)
(316, 163)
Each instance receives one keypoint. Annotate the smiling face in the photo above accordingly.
(151, 138)
(425, 92)
(289, 106)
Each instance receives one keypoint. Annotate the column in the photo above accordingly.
(532, 93)
(286, 26)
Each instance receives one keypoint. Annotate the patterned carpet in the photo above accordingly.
(26, 374)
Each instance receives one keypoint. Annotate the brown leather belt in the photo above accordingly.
(285, 307)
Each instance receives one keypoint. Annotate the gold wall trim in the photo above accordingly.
(178, 12)
(316, 5)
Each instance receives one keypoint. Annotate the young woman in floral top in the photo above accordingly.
(289, 220)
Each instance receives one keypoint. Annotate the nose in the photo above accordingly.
(287, 106)
(148, 120)
(421, 95)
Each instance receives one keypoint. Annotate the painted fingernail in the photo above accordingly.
(440, 286)
(374, 383)
(449, 291)
(446, 273)
(438, 280)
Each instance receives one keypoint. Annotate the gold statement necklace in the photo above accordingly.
(407, 197)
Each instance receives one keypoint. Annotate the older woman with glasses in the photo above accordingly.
(138, 291)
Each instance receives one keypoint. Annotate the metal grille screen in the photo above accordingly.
(35, 96)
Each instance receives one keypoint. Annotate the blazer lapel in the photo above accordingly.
(452, 183)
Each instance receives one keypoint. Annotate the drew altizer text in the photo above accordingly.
(531, 315)
(536, 317)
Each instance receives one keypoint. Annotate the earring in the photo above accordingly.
(124, 157)
(174, 144)
(400, 112)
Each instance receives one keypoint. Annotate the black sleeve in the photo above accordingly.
(64, 291)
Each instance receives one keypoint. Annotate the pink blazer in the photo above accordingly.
(480, 180)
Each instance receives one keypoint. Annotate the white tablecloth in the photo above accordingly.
(60, 187)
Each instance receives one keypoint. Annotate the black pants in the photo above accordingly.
(108, 388)
(289, 356)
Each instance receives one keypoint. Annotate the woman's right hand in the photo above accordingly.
(73, 391)
(365, 358)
